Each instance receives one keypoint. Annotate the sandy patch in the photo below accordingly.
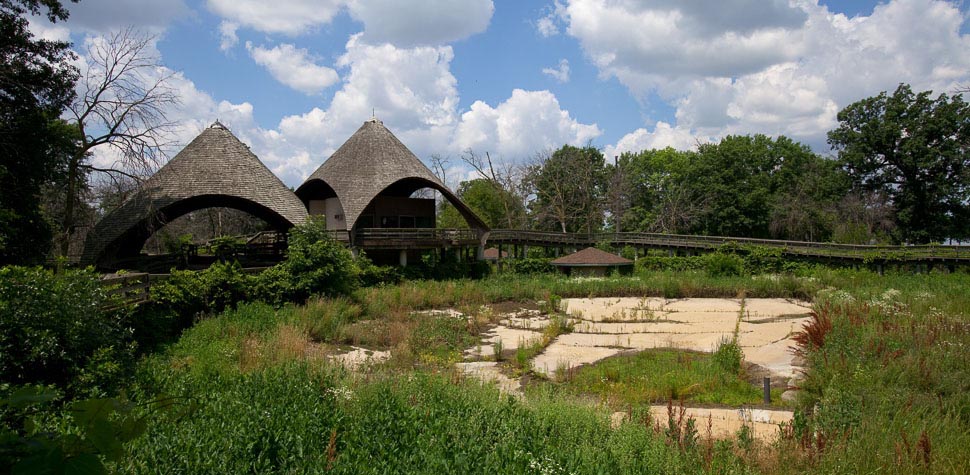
(725, 423)
(357, 358)
(489, 372)
(511, 338)
(558, 356)
(614, 309)
(703, 305)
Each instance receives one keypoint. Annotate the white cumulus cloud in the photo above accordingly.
(294, 67)
(778, 67)
(662, 136)
(291, 17)
(561, 73)
(526, 123)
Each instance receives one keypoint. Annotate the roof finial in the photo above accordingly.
(373, 116)
(217, 125)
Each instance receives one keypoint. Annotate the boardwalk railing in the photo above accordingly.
(675, 241)
(135, 287)
(415, 237)
(126, 289)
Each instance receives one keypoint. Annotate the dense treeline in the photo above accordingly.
(900, 175)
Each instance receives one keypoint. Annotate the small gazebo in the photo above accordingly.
(592, 262)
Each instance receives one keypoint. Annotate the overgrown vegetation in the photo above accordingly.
(54, 330)
(887, 355)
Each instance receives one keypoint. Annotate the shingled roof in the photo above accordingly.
(591, 256)
(373, 161)
(214, 170)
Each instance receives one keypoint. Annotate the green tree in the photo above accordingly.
(486, 199)
(569, 188)
(662, 197)
(914, 150)
(36, 84)
(735, 177)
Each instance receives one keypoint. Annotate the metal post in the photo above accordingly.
(767, 385)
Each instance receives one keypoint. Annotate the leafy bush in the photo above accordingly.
(54, 329)
(273, 286)
(187, 292)
(720, 264)
(318, 263)
(96, 431)
(728, 356)
(371, 274)
(530, 266)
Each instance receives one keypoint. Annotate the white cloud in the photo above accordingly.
(548, 24)
(228, 37)
(640, 42)
(746, 66)
(291, 17)
(561, 73)
(662, 136)
(526, 123)
(429, 22)
(294, 67)
(546, 27)
(42, 28)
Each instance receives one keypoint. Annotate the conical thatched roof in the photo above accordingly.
(215, 169)
(371, 161)
(591, 256)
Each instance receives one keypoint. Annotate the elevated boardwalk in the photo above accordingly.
(849, 253)
(269, 247)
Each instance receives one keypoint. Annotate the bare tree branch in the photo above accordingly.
(122, 102)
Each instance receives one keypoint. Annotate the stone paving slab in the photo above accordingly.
(617, 309)
(567, 357)
(703, 305)
(358, 357)
(511, 338)
(489, 372)
(725, 423)
(762, 308)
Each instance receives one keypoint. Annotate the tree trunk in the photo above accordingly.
(67, 224)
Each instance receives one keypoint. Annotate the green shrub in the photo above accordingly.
(722, 265)
(728, 356)
(371, 275)
(530, 266)
(187, 292)
(318, 263)
(273, 286)
(53, 329)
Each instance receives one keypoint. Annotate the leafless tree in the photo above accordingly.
(122, 101)
(508, 179)
(678, 209)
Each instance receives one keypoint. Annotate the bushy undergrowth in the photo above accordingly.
(728, 260)
(54, 330)
(301, 419)
(889, 388)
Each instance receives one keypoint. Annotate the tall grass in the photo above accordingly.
(888, 388)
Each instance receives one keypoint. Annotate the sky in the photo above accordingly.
(295, 78)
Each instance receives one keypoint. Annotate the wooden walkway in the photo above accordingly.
(674, 242)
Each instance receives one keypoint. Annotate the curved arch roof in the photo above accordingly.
(214, 165)
(369, 162)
